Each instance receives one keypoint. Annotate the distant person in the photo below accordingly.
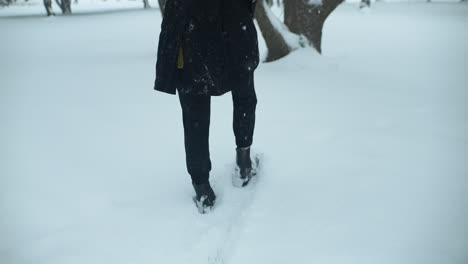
(207, 48)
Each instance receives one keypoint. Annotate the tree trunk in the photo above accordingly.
(66, 6)
(162, 4)
(306, 17)
(275, 42)
(146, 4)
(48, 7)
(290, 17)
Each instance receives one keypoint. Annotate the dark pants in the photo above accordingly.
(196, 119)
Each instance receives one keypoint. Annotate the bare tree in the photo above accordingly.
(65, 6)
(48, 7)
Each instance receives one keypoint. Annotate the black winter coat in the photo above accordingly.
(219, 43)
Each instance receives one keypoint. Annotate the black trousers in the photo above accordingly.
(196, 119)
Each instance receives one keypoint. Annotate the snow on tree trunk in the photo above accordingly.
(306, 17)
(273, 31)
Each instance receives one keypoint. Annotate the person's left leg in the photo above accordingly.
(196, 121)
(245, 102)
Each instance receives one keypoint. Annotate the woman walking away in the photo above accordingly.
(207, 48)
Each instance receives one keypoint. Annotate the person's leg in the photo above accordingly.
(196, 120)
(245, 102)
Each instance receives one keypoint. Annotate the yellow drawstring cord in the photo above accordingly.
(180, 59)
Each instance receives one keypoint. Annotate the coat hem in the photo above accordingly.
(165, 91)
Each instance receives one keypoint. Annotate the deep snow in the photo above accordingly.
(365, 147)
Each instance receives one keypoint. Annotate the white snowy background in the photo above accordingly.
(365, 147)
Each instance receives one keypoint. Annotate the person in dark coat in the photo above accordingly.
(208, 48)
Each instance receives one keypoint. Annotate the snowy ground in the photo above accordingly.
(365, 148)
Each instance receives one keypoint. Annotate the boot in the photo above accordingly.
(204, 198)
(243, 172)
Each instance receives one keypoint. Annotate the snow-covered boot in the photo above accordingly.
(204, 198)
(243, 172)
